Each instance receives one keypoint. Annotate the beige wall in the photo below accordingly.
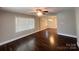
(7, 27)
(52, 22)
(43, 22)
(66, 23)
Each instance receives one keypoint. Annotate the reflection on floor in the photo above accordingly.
(46, 40)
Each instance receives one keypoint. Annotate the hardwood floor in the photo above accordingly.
(46, 40)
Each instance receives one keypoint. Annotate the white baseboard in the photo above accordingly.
(5, 42)
(68, 35)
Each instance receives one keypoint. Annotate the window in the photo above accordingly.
(24, 23)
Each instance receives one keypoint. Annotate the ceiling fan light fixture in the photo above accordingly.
(39, 13)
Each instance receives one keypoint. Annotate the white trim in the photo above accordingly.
(5, 42)
(68, 35)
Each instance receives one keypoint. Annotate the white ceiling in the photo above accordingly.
(28, 10)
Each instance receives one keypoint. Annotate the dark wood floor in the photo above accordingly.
(46, 40)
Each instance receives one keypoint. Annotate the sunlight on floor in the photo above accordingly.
(52, 41)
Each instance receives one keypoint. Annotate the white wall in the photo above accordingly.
(66, 23)
(7, 27)
(77, 24)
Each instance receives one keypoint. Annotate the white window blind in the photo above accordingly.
(24, 23)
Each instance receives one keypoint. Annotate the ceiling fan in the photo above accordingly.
(40, 11)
